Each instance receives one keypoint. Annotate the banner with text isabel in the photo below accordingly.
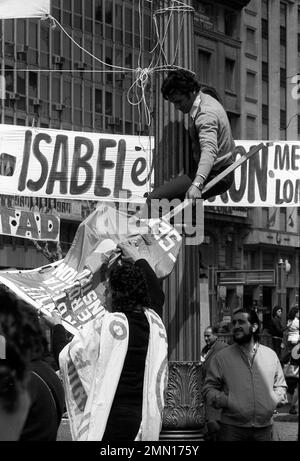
(74, 165)
(269, 178)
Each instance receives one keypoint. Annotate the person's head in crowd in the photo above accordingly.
(127, 288)
(246, 324)
(180, 87)
(277, 311)
(23, 341)
(43, 202)
(210, 335)
(293, 313)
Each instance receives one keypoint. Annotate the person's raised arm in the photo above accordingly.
(59, 334)
(156, 295)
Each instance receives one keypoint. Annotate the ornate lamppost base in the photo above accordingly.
(183, 417)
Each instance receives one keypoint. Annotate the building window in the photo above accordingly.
(229, 74)
(282, 14)
(33, 81)
(268, 260)
(77, 14)
(108, 103)
(229, 254)
(108, 19)
(250, 41)
(98, 101)
(119, 23)
(204, 63)
(282, 119)
(265, 71)
(283, 77)
(88, 12)
(67, 13)
(283, 124)
(265, 29)
(9, 78)
(282, 35)
(251, 127)
(265, 92)
(128, 26)
(230, 23)
(98, 17)
(283, 219)
(234, 124)
(264, 9)
(251, 85)
(265, 121)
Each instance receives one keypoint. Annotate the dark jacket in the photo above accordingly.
(217, 346)
(47, 404)
(211, 413)
(276, 327)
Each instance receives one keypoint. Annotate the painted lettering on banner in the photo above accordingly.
(62, 164)
(28, 224)
(269, 178)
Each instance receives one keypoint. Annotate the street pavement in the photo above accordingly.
(285, 427)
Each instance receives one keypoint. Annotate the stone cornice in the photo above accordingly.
(236, 4)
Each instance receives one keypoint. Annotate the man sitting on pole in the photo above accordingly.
(212, 140)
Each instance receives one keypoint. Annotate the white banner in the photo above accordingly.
(74, 165)
(24, 9)
(29, 225)
(269, 178)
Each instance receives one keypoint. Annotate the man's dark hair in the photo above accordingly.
(181, 80)
(275, 310)
(213, 329)
(128, 288)
(252, 317)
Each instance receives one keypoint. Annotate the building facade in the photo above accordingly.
(252, 255)
(246, 50)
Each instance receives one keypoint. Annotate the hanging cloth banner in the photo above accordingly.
(269, 178)
(75, 285)
(28, 224)
(10, 9)
(74, 165)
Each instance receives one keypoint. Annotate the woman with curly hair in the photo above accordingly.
(114, 370)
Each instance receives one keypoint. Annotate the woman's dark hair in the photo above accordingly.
(128, 288)
(292, 312)
(275, 310)
(181, 80)
(23, 342)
